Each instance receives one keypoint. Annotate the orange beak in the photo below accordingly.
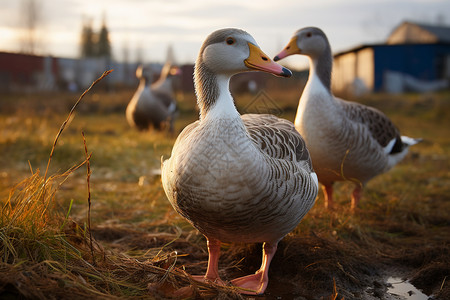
(290, 49)
(258, 60)
(175, 71)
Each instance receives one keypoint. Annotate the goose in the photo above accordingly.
(244, 179)
(152, 105)
(165, 83)
(347, 141)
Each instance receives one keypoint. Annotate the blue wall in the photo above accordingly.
(423, 61)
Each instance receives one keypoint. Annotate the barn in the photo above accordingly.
(415, 57)
(30, 73)
(24, 72)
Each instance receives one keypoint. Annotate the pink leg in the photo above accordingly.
(212, 272)
(256, 284)
(328, 195)
(356, 195)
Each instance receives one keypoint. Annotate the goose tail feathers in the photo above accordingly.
(393, 159)
(410, 141)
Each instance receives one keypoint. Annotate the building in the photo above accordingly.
(415, 57)
(414, 33)
(25, 72)
(31, 73)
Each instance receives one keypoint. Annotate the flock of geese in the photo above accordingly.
(153, 104)
(252, 178)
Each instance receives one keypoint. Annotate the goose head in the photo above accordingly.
(169, 71)
(309, 41)
(144, 73)
(224, 53)
(312, 42)
(230, 51)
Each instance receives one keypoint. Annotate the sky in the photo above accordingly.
(146, 28)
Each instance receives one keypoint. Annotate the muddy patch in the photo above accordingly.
(309, 266)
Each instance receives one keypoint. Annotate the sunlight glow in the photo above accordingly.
(9, 38)
(149, 26)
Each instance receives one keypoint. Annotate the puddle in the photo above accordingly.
(404, 289)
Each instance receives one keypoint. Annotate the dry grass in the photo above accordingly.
(47, 254)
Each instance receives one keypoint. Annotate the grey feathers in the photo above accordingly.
(277, 137)
(380, 126)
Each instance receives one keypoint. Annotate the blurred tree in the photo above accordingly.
(103, 44)
(440, 19)
(93, 44)
(139, 55)
(87, 40)
(125, 53)
(31, 18)
(170, 55)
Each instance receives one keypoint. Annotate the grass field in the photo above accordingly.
(141, 248)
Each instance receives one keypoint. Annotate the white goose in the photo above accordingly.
(346, 140)
(152, 105)
(238, 179)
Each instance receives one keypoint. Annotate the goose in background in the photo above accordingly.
(166, 81)
(244, 179)
(153, 105)
(346, 140)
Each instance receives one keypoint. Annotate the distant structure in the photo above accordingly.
(33, 73)
(415, 57)
(30, 73)
(414, 33)
(25, 72)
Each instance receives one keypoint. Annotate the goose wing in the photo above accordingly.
(166, 99)
(379, 125)
(277, 137)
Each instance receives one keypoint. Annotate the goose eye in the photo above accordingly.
(309, 34)
(230, 41)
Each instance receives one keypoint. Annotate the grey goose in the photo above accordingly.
(244, 179)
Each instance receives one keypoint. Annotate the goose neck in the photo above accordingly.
(213, 96)
(321, 67)
(143, 82)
